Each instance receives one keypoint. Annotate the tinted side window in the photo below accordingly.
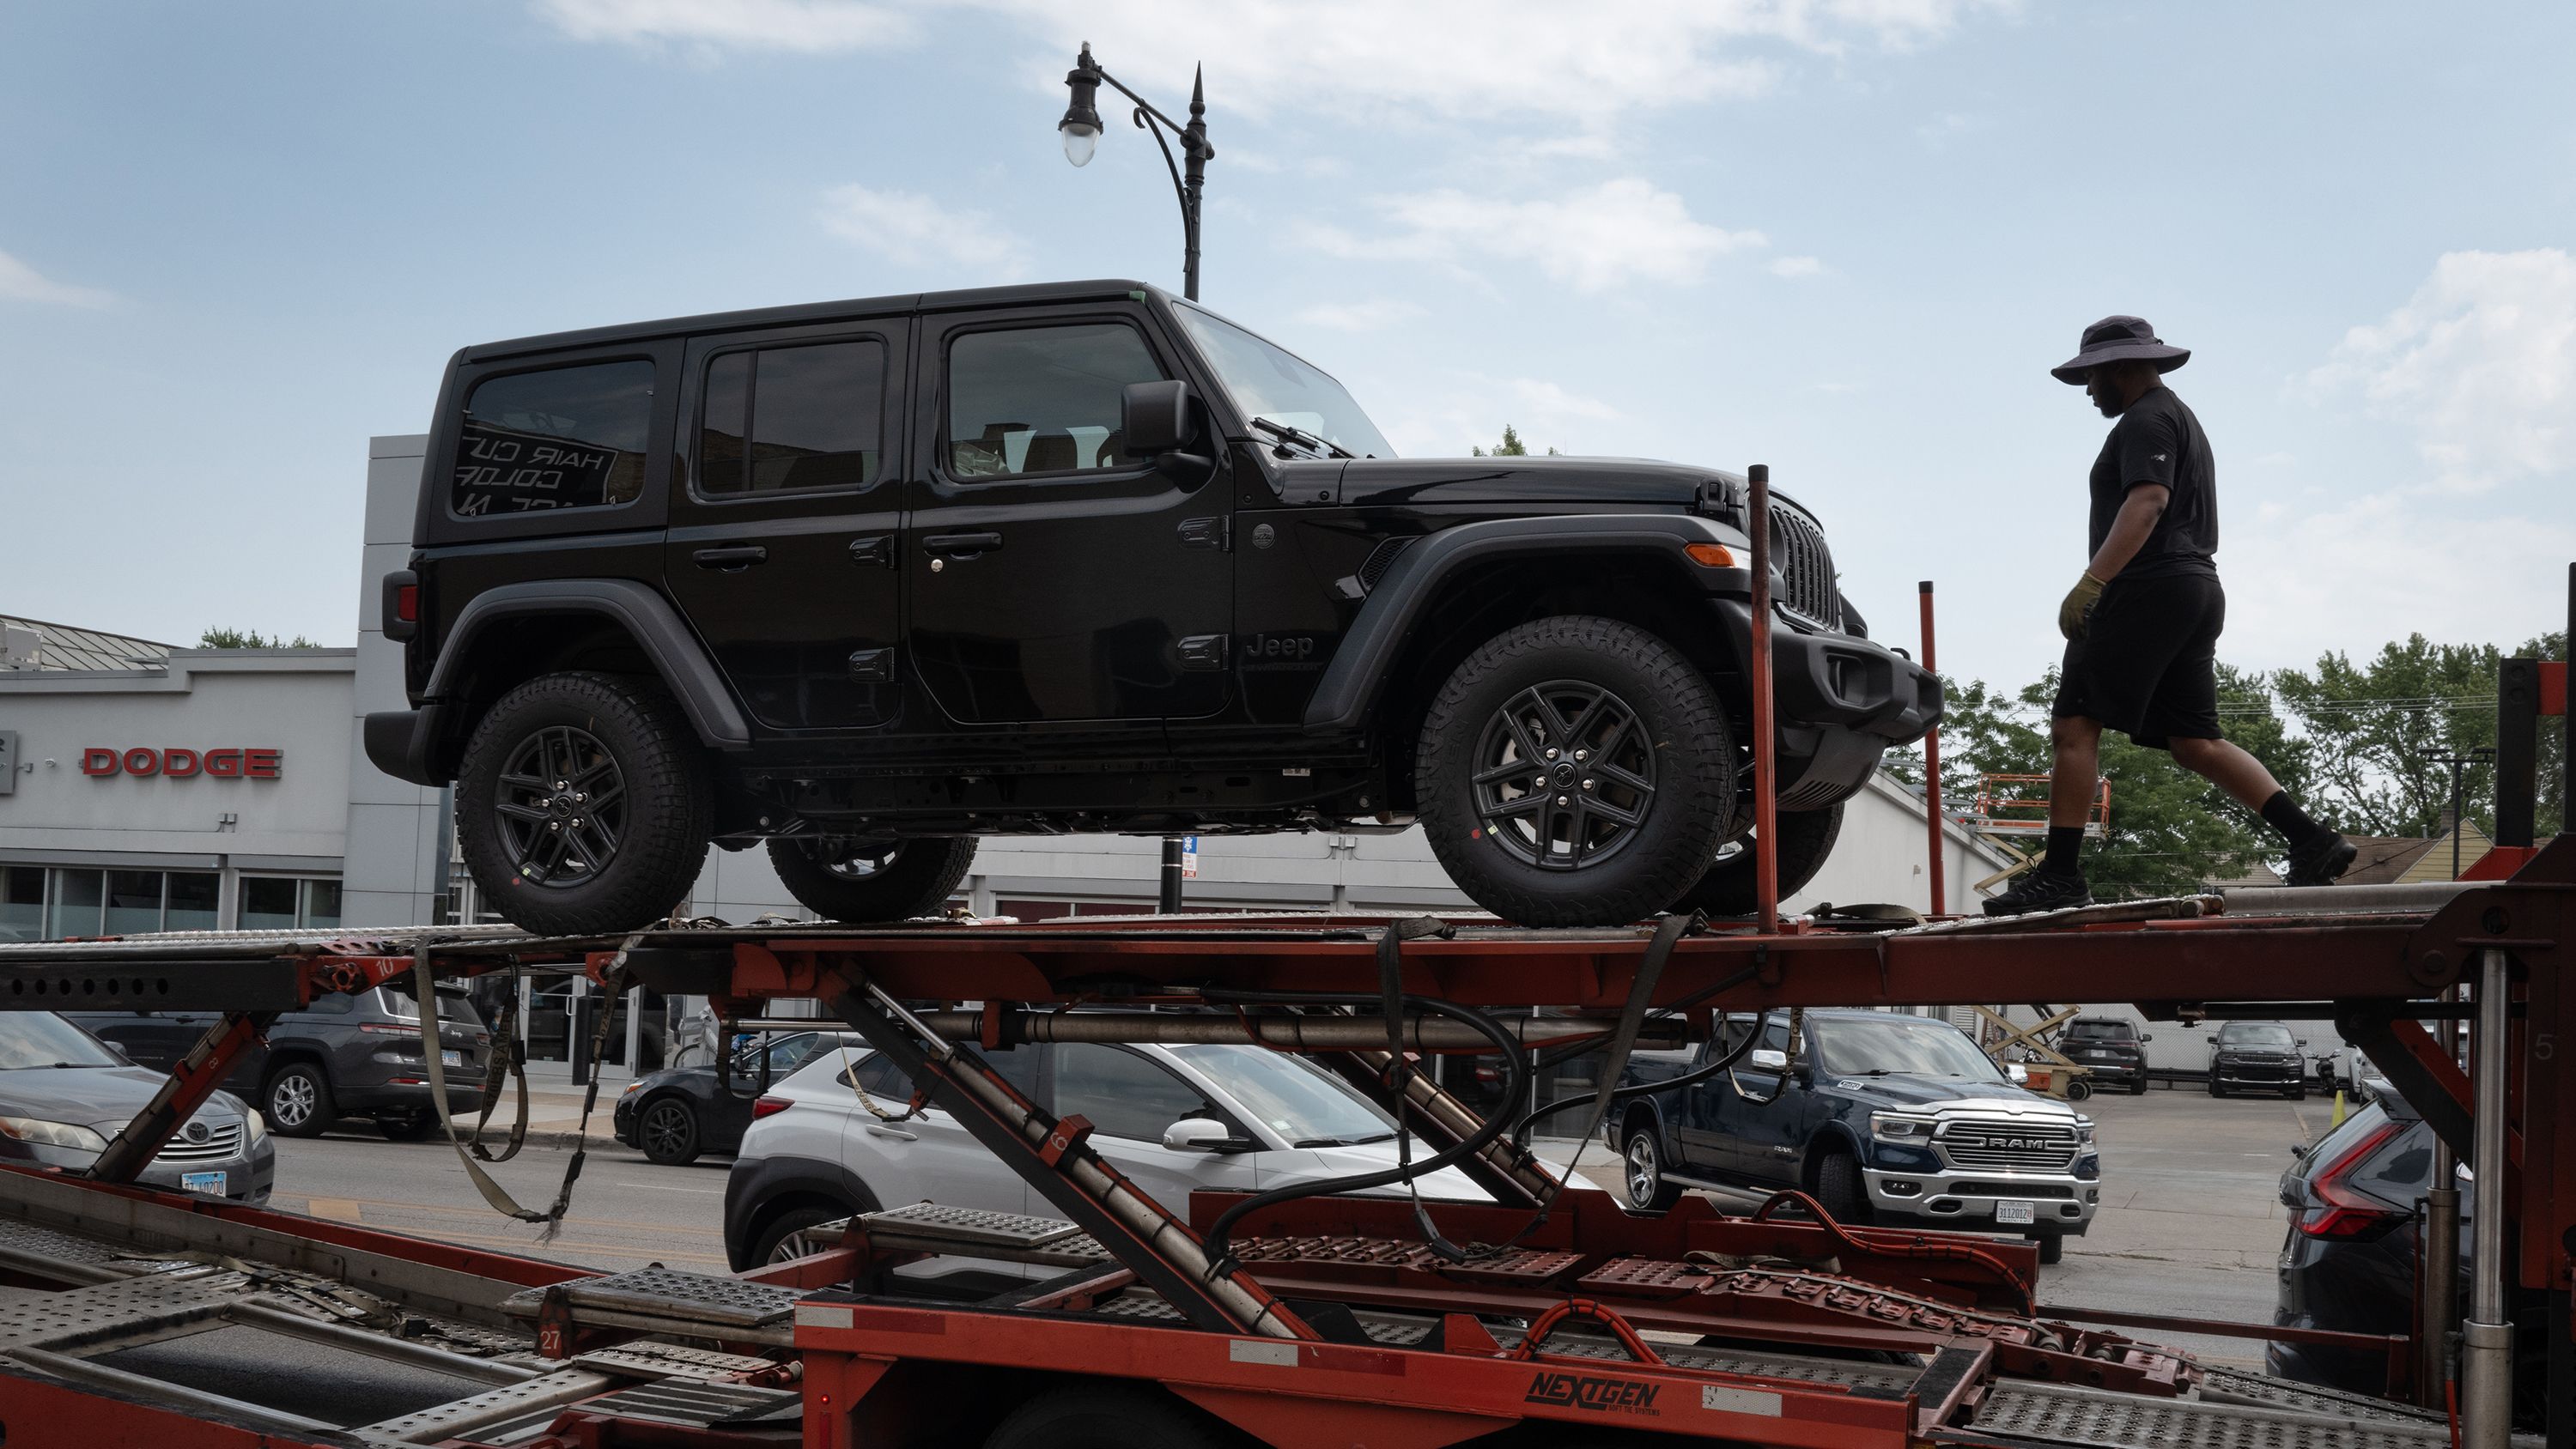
(1042, 399)
(565, 437)
(883, 1079)
(813, 417)
(1121, 1093)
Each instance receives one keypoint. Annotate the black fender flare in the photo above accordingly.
(1352, 683)
(643, 613)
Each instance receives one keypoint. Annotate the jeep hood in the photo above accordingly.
(1432, 482)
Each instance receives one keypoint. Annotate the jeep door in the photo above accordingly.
(1052, 577)
(785, 511)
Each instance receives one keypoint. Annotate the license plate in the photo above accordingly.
(2014, 1212)
(212, 1182)
(451, 1059)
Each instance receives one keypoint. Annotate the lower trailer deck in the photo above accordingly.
(1335, 1319)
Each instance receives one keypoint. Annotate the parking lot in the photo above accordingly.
(2190, 1222)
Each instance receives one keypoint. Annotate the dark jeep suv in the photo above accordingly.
(867, 580)
(2258, 1056)
(2112, 1047)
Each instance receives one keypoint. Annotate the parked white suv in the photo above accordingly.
(815, 1154)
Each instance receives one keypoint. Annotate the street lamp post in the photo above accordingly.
(1081, 131)
(2479, 755)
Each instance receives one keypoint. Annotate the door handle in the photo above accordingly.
(731, 556)
(962, 545)
(876, 1129)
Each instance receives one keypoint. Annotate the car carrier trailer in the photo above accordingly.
(1548, 1315)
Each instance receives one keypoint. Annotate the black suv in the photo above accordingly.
(866, 580)
(348, 1054)
(2112, 1047)
(1883, 1117)
(2258, 1056)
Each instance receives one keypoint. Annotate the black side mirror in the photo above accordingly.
(1155, 416)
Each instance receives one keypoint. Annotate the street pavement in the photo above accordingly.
(2190, 1224)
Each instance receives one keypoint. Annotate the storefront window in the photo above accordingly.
(267, 903)
(133, 901)
(22, 903)
(321, 903)
(78, 894)
(193, 895)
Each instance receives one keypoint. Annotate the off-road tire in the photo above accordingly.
(1659, 1193)
(669, 800)
(1684, 731)
(410, 1127)
(1840, 1189)
(2052, 1247)
(309, 1110)
(1104, 1418)
(916, 881)
(1727, 887)
(676, 1143)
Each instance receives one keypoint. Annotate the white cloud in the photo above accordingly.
(1594, 239)
(1366, 315)
(812, 26)
(2480, 362)
(914, 231)
(22, 283)
(1797, 267)
(1532, 60)
(1442, 418)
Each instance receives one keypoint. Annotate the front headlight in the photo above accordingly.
(2084, 1131)
(632, 1087)
(1898, 1127)
(52, 1134)
(254, 1126)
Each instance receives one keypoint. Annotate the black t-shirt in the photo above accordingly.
(2159, 441)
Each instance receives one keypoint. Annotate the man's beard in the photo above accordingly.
(2110, 405)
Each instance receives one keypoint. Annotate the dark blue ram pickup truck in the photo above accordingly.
(1884, 1118)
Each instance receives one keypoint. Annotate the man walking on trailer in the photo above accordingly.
(2142, 624)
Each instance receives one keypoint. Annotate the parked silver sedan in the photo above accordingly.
(64, 1094)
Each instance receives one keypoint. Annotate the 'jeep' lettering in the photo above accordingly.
(1599, 1395)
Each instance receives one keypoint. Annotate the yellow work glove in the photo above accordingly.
(2078, 608)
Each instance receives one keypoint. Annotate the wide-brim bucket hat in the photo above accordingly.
(2119, 339)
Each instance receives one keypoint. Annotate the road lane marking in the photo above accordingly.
(337, 1209)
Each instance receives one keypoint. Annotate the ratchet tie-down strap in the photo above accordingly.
(425, 996)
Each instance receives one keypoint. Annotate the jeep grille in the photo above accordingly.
(2000, 1142)
(1806, 566)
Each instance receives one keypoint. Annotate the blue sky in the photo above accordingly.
(1844, 237)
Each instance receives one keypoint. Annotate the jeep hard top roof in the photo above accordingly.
(758, 317)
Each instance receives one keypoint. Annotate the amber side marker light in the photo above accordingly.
(1711, 555)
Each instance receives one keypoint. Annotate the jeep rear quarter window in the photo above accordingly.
(562, 437)
(1042, 399)
(813, 416)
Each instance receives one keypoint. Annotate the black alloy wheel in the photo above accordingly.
(560, 805)
(1565, 774)
(668, 1131)
(859, 880)
(1575, 771)
(584, 804)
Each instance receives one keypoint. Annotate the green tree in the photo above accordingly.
(1510, 447)
(250, 639)
(2375, 728)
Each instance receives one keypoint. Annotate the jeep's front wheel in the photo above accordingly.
(863, 881)
(1727, 887)
(584, 806)
(1575, 772)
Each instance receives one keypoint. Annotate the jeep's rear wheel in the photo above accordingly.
(1575, 772)
(583, 805)
(860, 881)
(1727, 887)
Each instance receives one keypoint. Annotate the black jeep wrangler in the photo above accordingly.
(866, 580)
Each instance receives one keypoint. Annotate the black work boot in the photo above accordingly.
(2041, 890)
(2325, 856)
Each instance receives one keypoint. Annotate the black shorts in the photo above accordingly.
(2147, 663)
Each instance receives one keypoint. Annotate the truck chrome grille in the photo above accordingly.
(1806, 566)
(1999, 1142)
(220, 1142)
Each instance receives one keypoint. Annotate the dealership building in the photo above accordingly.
(150, 787)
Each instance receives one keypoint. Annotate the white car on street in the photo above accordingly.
(816, 1154)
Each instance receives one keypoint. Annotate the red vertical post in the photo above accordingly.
(1766, 781)
(1932, 769)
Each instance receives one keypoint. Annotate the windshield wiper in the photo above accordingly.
(1299, 435)
(1342, 1141)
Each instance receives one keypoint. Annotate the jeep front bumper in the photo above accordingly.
(2064, 1203)
(1841, 700)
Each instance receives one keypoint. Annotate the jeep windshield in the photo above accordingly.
(1911, 1046)
(1271, 384)
(2259, 1035)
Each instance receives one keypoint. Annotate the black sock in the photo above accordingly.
(2063, 842)
(2284, 815)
